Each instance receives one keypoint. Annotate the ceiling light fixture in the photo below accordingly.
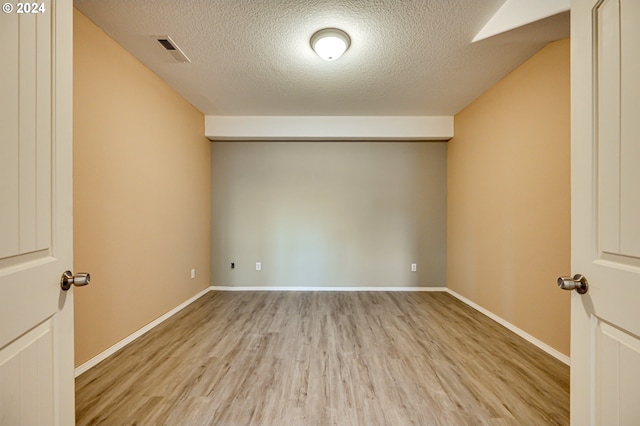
(330, 43)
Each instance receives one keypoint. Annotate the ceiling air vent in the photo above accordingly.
(171, 48)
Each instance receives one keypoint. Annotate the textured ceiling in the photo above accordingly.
(252, 57)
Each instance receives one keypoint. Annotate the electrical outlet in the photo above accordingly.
(414, 267)
(193, 273)
(258, 266)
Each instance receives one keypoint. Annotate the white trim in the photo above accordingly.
(130, 338)
(328, 128)
(548, 349)
(287, 288)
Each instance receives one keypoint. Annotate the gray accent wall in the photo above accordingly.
(329, 214)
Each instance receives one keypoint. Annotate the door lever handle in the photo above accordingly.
(79, 279)
(578, 283)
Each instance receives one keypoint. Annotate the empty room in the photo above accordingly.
(292, 212)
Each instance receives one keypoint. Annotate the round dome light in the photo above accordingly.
(330, 43)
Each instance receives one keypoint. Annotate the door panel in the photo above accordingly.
(36, 316)
(605, 322)
(26, 375)
(618, 358)
(608, 63)
(25, 196)
(9, 125)
(630, 127)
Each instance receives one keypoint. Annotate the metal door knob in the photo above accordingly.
(79, 279)
(578, 283)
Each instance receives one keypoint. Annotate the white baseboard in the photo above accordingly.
(548, 349)
(286, 288)
(130, 338)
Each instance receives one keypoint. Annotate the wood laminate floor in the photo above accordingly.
(325, 358)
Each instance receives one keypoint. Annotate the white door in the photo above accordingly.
(36, 316)
(605, 171)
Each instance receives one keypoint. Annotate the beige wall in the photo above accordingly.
(329, 213)
(141, 193)
(509, 198)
